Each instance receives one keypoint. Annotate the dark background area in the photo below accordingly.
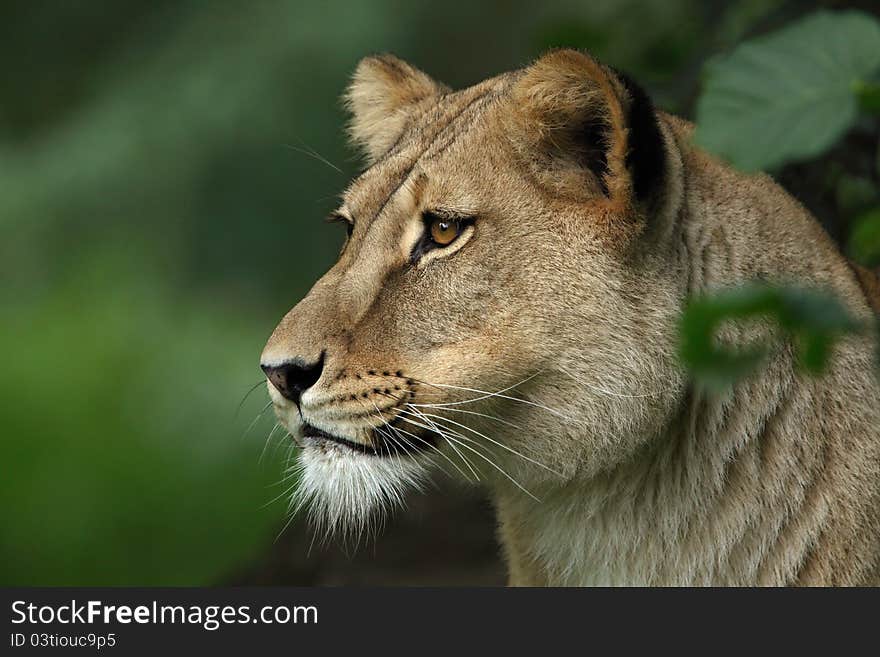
(165, 168)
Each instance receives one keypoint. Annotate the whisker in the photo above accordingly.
(398, 447)
(268, 440)
(469, 443)
(447, 431)
(448, 436)
(488, 417)
(433, 427)
(609, 393)
(246, 395)
(434, 447)
(441, 386)
(311, 152)
(284, 493)
(294, 506)
(495, 442)
(431, 446)
(372, 442)
(500, 469)
(396, 431)
(459, 410)
(256, 419)
(488, 395)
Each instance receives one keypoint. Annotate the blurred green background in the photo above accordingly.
(161, 197)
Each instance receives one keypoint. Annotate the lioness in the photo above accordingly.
(506, 308)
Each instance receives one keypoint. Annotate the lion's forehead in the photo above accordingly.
(430, 133)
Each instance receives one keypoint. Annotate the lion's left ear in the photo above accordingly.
(382, 93)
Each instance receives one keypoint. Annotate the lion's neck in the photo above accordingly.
(724, 497)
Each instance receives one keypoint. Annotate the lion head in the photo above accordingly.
(502, 308)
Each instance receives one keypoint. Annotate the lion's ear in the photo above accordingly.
(382, 93)
(587, 128)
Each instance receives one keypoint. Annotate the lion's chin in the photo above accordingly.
(348, 492)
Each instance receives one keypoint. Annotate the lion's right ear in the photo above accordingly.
(587, 129)
(381, 96)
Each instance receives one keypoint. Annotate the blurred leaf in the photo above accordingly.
(741, 16)
(869, 97)
(864, 242)
(790, 95)
(666, 53)
(815, 320)
(855, 194)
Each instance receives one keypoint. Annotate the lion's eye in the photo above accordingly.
(441, 231)
(339, 218)
(444, 231)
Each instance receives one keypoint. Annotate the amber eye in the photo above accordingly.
(444, 231)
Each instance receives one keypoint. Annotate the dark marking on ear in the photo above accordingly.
(594, 146)
(646, 155)
(393, 66)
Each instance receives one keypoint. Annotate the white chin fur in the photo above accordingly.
(350, 493)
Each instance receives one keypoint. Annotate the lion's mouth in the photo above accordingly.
(310, 432)
(386, 441)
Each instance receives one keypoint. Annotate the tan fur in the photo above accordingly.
(870, 284)
(569, 299)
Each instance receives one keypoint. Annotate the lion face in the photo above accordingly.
(480, 312)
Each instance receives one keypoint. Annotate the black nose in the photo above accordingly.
(294, 377)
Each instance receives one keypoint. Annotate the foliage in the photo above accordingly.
(812, 319)
(865, 239)
(777, 99)
(790, 95)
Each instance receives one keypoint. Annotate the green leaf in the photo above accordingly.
(864, 242)
(855, 194)
(868, 94)
(814, 320)
(790, 95)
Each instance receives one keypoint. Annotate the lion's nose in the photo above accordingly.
(292, 378)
